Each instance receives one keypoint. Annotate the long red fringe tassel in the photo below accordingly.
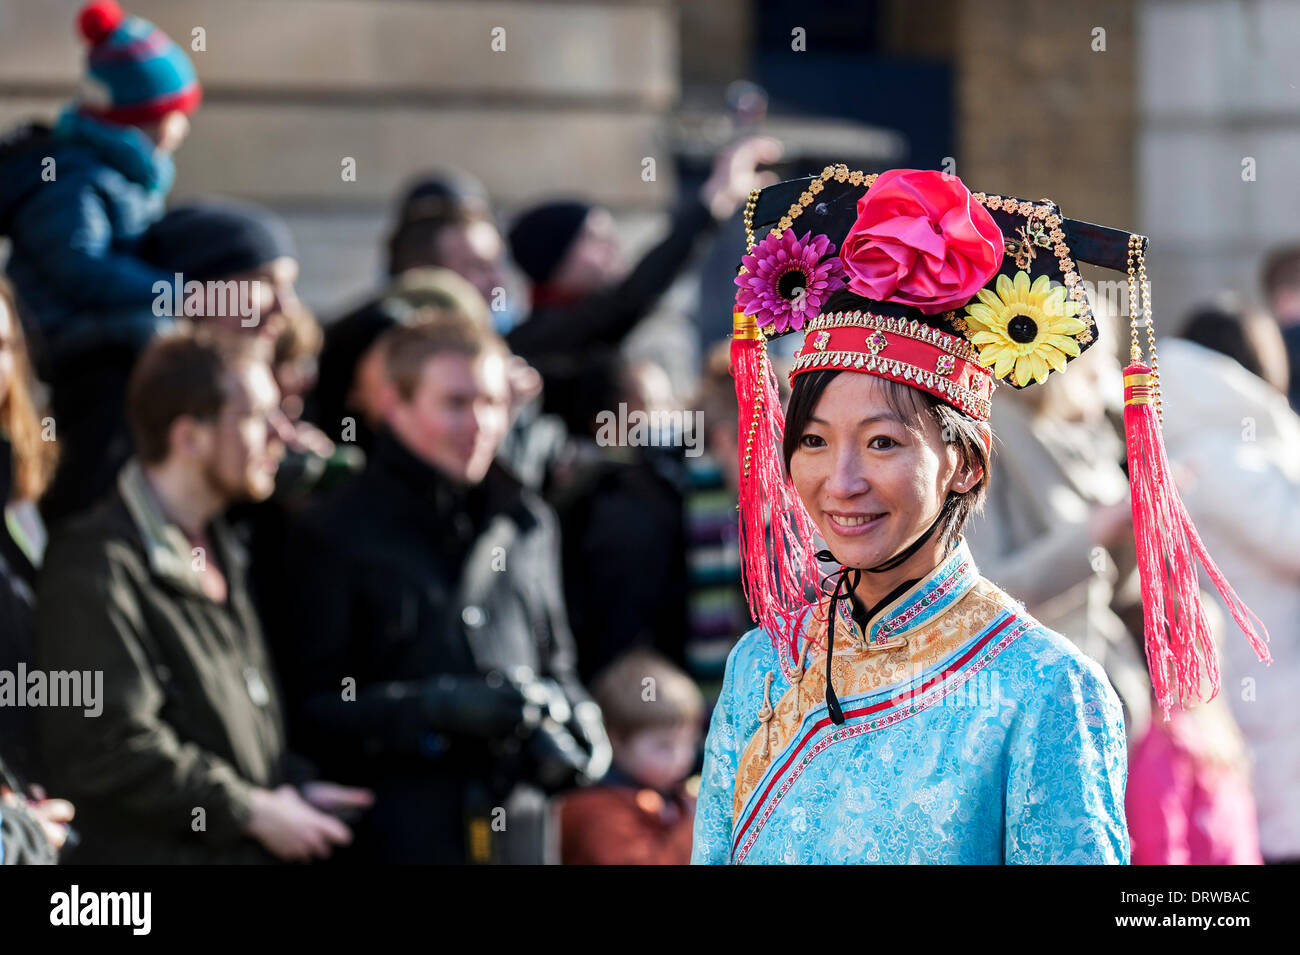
(1178, 637)
(776, 532)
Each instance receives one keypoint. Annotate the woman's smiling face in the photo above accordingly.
(873, 480)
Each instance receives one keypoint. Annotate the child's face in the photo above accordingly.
(169, 132)
(659, 758)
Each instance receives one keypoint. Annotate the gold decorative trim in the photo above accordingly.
(907, 327)
(744, 326)
(964, 397)
(858, 669)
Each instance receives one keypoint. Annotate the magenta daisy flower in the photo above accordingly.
(787, 279)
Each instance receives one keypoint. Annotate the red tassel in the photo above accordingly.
(776, 532)
(1178, 637)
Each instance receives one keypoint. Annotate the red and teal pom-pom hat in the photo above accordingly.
(134, 73)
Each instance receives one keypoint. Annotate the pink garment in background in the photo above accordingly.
(1183, 807)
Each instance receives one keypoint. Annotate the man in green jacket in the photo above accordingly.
(187, 762)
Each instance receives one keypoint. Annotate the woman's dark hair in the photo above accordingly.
(907, 403)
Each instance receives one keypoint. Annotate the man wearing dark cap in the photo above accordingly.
(444, 220)
(248, 250)
(245, 247)
(586, 299)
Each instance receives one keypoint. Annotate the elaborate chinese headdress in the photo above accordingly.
(949, 292)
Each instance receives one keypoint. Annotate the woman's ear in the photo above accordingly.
(968, 476)
(970, 473)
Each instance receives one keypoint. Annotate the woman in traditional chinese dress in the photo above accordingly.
(914, 712)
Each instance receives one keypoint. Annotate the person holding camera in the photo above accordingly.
(430, 653)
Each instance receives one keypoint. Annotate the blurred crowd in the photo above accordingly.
(378, 589)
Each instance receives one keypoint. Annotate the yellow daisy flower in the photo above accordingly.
(1024, 332)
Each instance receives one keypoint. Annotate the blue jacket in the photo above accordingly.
(72, 260)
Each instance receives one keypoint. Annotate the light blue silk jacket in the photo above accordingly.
(972, 735)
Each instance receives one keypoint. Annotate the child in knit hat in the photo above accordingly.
(75, 222)
(643, 811)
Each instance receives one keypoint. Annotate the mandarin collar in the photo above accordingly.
(921, 604)
(929, 598)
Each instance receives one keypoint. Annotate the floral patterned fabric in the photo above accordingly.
(985, 739)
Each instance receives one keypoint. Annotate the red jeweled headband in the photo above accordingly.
(905, 351)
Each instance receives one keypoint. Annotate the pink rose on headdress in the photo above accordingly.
(921, 239)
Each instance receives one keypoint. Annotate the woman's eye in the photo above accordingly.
(882, 442)
(811, 441)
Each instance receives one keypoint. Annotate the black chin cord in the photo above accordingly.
(846, 581)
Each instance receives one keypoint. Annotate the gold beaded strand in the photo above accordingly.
(839, 172)
(746, 331)
(1139, 301)
(1135, 349)
(1151, 335)
(749, 221)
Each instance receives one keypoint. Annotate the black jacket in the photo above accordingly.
(398, 577)
(621, 596)
(191, 717)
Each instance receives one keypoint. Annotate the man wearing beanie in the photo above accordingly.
(585, 298)
(246, 248)
(224, 240)
(74, 260)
